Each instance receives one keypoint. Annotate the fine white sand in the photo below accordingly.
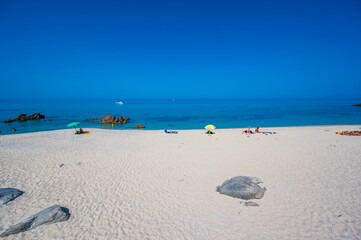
(148, 185)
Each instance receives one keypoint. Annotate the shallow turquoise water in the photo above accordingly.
(180, 114)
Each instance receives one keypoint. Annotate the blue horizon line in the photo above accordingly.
(181, 99)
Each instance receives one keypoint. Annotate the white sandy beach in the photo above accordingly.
(136, 184)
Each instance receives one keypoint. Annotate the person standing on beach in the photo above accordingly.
(14, 130)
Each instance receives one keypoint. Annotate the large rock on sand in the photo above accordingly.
(242, 187)
(9, 194)
(49, 215)
(139, 126)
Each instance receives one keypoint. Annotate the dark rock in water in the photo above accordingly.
(357, 105)
(139, 126)
(109, 119)
(9, 194)
(49, 215)
(242, 187)
(35, 116)
(23, 117)
(9, 120)
(93, 120)
(252, 204)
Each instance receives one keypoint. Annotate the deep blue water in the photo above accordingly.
(180, 114)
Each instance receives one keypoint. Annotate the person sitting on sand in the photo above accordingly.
(81, 131)
(257, 130)
(209, 132)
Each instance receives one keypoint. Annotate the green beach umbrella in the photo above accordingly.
(74, 124)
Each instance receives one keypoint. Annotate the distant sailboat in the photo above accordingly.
(119, 102)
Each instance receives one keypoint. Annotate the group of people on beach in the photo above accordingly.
(250, 131)
(247, 131)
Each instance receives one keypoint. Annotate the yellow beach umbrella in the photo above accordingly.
(210, 127)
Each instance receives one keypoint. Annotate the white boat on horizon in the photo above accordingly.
(119, 102)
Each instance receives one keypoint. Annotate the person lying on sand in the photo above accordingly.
(248, 130)
(349, 133)
(170, 131)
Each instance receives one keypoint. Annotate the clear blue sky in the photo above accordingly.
(180, 49)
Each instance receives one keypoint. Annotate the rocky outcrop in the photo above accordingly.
(93, 120)
(357, 105)
(23, 117)
(139, 126)
(49, 215)
(109, 119)
(242, 187)
(9, 194)
(9, 120)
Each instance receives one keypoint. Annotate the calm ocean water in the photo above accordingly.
(180, 114)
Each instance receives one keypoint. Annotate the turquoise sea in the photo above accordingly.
(179, 114)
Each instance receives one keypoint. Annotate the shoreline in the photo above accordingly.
(195, 129)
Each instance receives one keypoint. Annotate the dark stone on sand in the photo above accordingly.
(23, 117)
(242, 187)
(49, 215)
(251, 204)
(9, 194)
(139, 126)
(62, 165)
(109, 119)
(357, 105)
